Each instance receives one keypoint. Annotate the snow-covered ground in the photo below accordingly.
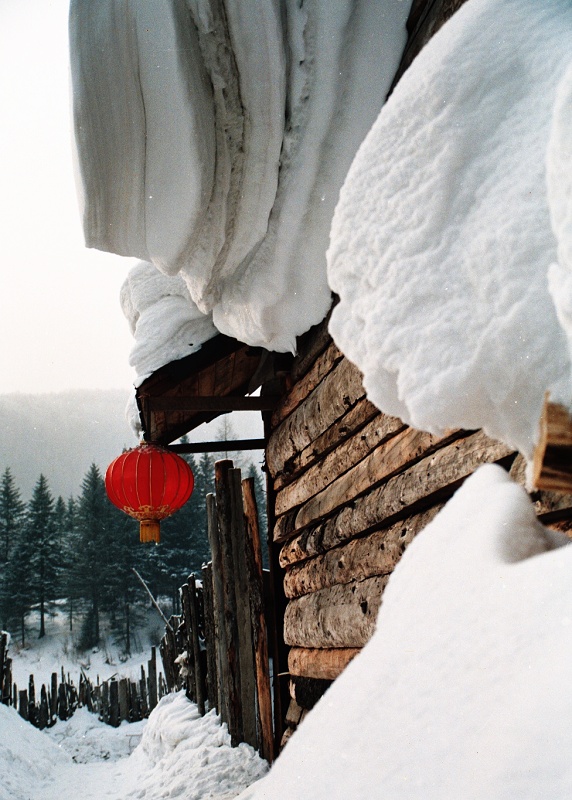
(176, 753)
(461, 693)
(57, 649)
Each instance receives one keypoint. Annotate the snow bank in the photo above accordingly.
(463, 689)
(185, 755)
(88, 740)
(26, 757)
(213, 139)
(442, 238)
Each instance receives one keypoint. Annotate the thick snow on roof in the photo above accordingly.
(445, 231)
(213, 139)
(461, 692)
(165, 322)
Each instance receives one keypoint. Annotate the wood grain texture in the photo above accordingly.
(338, 462)
(376, 554)
(324, 364)
(390, 458)
(424, 484)
(552, 464)
(340, 616)
(329, 401)
(320, 663)
(339, 432)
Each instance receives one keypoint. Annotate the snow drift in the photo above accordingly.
(213, 139)
(462, 691)
(443, 235)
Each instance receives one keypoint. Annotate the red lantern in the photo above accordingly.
(149, 483)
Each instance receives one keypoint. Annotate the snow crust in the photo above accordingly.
(26, 756)
(165, 322)
(462, 691)
(443, 235)
(213, 140)
(175, 753)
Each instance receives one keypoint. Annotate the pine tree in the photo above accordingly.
(12, 510)
(38, 549)
(93, 565)
(71, 551)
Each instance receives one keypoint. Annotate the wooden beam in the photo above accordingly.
(552, 464)
(219, 447)
(326, 664)
(213, 403)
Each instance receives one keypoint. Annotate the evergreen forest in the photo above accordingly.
(81, 553)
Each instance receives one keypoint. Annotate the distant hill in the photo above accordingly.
(62, 434)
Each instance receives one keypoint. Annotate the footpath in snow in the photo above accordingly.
(176, 753)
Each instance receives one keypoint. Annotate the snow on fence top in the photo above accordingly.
(213, 143)
(446, 228)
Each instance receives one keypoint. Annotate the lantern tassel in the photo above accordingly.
(149, 531)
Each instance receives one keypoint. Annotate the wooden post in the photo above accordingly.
(243, 591)
(143, 693)
(152, 669)
(210, 635)
(190, 680)
(23, 703)
(259, 633)
(218, 609)
(3, 651)
(43, 716)
(114, 704)
(232, 690)
(124, 699)
(32, 711)
(195, 653)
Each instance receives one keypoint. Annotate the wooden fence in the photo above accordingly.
(218, 648)
(113, 700)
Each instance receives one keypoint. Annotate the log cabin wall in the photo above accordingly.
(351, 489)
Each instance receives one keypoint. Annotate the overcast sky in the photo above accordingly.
(61, 325)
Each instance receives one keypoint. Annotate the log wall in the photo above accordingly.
(352, 487)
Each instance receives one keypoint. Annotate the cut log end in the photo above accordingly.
(552, 465)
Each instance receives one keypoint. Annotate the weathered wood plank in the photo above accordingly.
(552, 465)
(218, 608)
(351, 423)
(340, 616)
(329, 401)
(224, 527)
(395, 456)
(319, 662)
(195, 652)
(323, 365)
(549, 505)
(424, 484)
(243, 611)
(376, 554)
(337, 462)
(210, 636)
(259, 633)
